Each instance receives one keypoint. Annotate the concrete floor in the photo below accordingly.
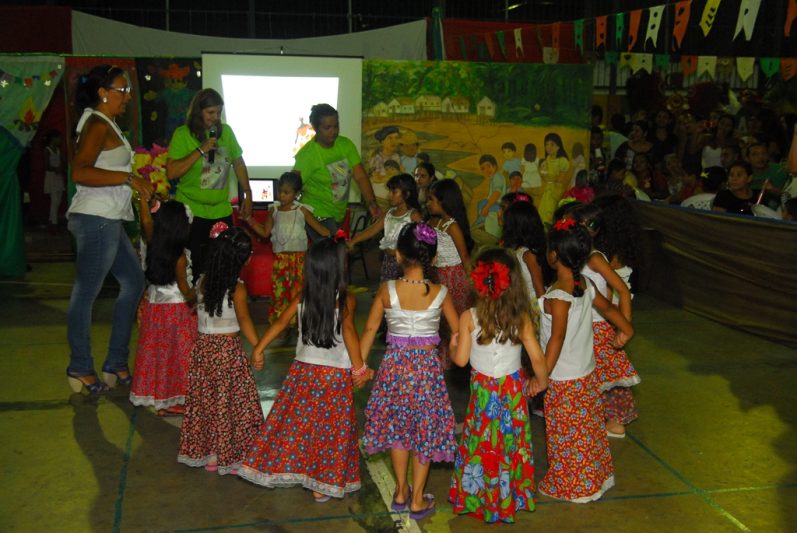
(715, 448)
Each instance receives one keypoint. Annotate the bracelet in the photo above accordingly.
(130, 178)
(360, 371)
(199, 149)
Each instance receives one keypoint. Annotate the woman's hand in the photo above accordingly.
(257, 360)
(142, 186)
(209, 144)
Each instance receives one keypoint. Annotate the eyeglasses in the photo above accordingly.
(123, 90)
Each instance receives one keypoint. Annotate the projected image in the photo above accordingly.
(270, 113)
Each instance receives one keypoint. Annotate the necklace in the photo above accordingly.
(282, 234)
(415, 281)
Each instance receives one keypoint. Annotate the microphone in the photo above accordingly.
(212, 153)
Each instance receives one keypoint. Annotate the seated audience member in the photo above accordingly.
(739, 197)
(710, 137)
(637, 143)
(616, 135)
(730, 152)
(662, 137)
(680, 183)
(763, 169)
(582, 191)
(618, 180)
(711, 181)
(790, 209)
(649, 180)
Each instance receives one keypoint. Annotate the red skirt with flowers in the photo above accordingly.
(579, 460)
(612, 367)
(167, 333)
(456, 281)
(222, 407)
(494, 466)
(310, 435)
(287, 275)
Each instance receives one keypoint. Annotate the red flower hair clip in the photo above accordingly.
(490, 279)
(522, 197)
(564, 224)
(218, 228)
(340, 235)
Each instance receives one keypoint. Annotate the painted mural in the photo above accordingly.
(494, 128)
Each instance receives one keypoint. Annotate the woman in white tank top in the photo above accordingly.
(101, 170)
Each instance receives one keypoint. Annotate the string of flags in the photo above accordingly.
(46, 78)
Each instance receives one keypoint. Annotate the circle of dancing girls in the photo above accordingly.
(222, 408)
(167, 321)
(409, 412)
(101, 170)
(579, 461)
(201, 154)
(404, 208)
(286, 227)
(494, 466)
(310, 435)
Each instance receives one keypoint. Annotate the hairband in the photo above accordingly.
(425, 234)
(490, 279)
(522, 197)
(340, 235)
(564, 224)
(218, 228)
(156, 205)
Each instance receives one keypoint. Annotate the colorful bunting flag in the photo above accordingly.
(709, 15)
(619, 29)
(463, 48)
(578, 34)
(707, 65)
(501, 37)
(661, 61)
(556, 29)
(633, 28)
(518, 32)
(642, 62)
(688, 65)
(611, 58)
(600, 32)
(654, 24)
(550, 56)
(791, 14)
(769, 65)
(748, 12)
(744, 67)
(488, 41)
(682, 12)
(788, 68)
(625, 60)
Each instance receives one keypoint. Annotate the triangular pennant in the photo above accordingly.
(682, 12)
(501, 38)
(550, 56)
(688, 65)
(488, 42)
(611, 58)
(791, 14)
(518, 32)
(578, 34)
(633, 28)
(463, 47)
(600, 32)
(788, 68)
(626, 58)
(619, 29)
(654, 24)
(748, 12)
(769, 65)
(707, 65)
(481, 48)
(709, 15)
(642, 62)
(662, 61)
(744, 67)
(556, 30)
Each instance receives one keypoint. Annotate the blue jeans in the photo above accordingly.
(102, 247)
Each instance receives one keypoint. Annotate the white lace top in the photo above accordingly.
(625, 274)
(288, 233)
(226, 323)
(524, 271)
(393, 225)
(576, 359)
(600, 285)
(447, 254)
(407, 327)
(493, 360)
(336, 357)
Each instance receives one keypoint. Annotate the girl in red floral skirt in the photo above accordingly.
(222, 408)
(310, 435)
(579, 461)
(167, 329)
(494, 466)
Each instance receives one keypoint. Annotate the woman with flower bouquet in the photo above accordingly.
(494, 467)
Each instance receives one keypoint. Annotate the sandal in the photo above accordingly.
(77, 383)
(396, 506)
(321, 498)
(426, 511)
(176, 410)
(112, 376)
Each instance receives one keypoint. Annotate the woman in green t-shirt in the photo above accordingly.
(201, 154)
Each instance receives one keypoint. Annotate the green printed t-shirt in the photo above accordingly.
(326, 176)
(205, 187)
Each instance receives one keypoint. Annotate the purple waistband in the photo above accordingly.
(403, 342)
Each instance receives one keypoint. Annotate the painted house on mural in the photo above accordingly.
(401, 106)
(380, 110)
(456, 105)
(428, 105)
(485, 109)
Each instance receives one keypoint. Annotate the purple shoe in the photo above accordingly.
(420, 515)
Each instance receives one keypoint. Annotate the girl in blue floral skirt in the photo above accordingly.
(494, 467)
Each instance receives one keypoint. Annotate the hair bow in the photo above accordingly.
(218, 228)
(156, 205)
(340, 235)
(425, 234)
(522, 197)
(564, 224)
(490, 279)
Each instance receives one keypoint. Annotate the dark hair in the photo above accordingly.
(642, 124)
(529, 149)
(597, 111)
(790, 207)
(450, 196)
(49, 136)
(382, 133)
(324, 292)
(614, 166)
(409, 189)
(558, 140)
(169, 239)
(523, 227)
(319, 111)
(515, 173)
(596, 130)
(101, 76)
(392, 163)
(509, 146)
(620, 236)
(227, 254)
(618, 123)
(572, 248)
(415, 251)
(423, 156)
(565, 209)
(202, 100)
(742, 163)
(429, 168)
(734, 148)
(291, 179)
(488, 158)
(713, 179)
(582, 178)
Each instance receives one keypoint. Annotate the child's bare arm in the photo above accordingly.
(599, 264)
(145, 219)
(372, 323)
(611, 313)
(239, 302)
(350, 337)
(369, 232)
(313, 222)
(262, 230)
(537, 280)
(461, 356)
(279, 325)
(459, 242)
(558, 311)
(537, 358)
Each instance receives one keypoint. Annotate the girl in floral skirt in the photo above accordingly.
(168, 327)
(310, 436)
(579, 461)
(409, 412)
(494, 467)
(222, 408)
